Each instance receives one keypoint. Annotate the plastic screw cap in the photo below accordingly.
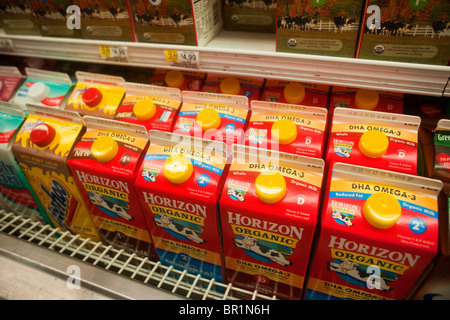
(104, 149)
(38, 91)
(284, 130)
(208, 119)
(382, 210)
(42, 134)
(174, 78)
(294, 92)
(230, 86)
(373, 143)
(144, 109)
(178, 168)
(270, 186)
(366, 99)
(92, 97)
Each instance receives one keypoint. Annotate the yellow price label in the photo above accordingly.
(172, 55)
(105, 51)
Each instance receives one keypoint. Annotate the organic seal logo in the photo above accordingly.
(292, 43)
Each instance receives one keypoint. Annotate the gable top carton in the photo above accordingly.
(10, 77)
(379, 232)
(42, 148)
(154, 107)
(288, 128)
(43, 87)
(96, 95)
(375, 139)
(16, 193)
(178, 185)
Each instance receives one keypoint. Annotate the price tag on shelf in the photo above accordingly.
(119, 53)
(6, 45)
(182, 58)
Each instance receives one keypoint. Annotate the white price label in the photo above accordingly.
(114, 53)
(6, 45)
(181, 58)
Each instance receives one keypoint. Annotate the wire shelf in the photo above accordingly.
(141, 269)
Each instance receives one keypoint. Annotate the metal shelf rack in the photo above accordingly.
(104, 272)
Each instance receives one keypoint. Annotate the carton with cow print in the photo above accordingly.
(178, 186)
(409, 31)
(376, 139)
(269, 210)
(104, 164)
(378, 235)
(42, 147)
(250, 15)
(105, 20)
(287, 128)
(153, 107)
(177, 22)
(324, 27)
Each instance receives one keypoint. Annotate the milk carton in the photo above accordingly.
(96, 95)
(104, 164)
(321, 27)
(306, 94)
(379, 233)
(235, 85)
(376, 139)
(16, 17)
(16, 194)
(288, 128)
(269, 211)
(178, 186)
(366, 99)
(183, 80)
(409, 31)
(441, 168)
(45, 88)
(212, 116)
(252, 15)
(105, 20)
(10, 78)
(42, 147)
(172, 22)
(153, 107)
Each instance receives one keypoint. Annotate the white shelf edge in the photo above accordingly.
(251, 54)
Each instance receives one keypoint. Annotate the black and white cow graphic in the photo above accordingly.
(168, 223)
(235, 194)
(249, 243)
(353, 270)
(339, 216)
(440, 28)
(98, 200)
(149, 175)
(342, 24)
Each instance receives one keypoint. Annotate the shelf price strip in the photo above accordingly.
(181, 58)
(109, 53)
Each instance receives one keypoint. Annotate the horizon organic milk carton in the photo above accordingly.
(178, 186)
(96, 95)
(213, 116)
(43, 87)
(379, 233)
(153, 107)
(269, 209)
(287, 128)
(104, 164)
(366, 99)
(376, 139)
(184, 80)
(250, 87)
(42, 147)
(16, 193)
(293, 92)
